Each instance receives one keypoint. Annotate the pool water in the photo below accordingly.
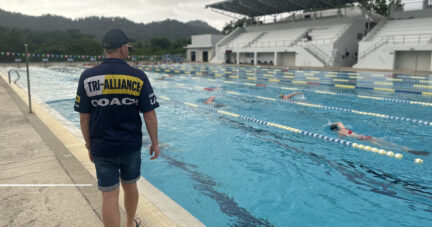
(228, 171)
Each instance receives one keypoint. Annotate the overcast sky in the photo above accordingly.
(144, 11)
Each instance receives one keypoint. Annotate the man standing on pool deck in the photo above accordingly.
(109, 99)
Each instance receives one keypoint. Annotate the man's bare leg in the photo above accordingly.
(110, 208)
(130, 201)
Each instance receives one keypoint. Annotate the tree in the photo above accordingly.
(160, 43)
(382, 7)
(228, 28)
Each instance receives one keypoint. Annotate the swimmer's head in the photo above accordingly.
(281, 95)
(334, 127)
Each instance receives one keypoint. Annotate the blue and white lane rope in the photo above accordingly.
(378, 115)
(399, 101)
(298, 131)
(307, 82)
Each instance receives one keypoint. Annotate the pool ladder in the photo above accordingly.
(28, 84)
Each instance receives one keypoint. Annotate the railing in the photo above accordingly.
(28, 77)
(229, 37)
(408, 39)
(375, 30)
(397, 39)
(237, 44)
(10, 74)
(344, 29)
(273, 43)
(318, 53)
(255, 39)
(372, 48)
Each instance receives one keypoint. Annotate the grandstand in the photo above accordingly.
(401, 42)
(325, 33)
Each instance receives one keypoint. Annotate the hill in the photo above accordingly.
(97, 26)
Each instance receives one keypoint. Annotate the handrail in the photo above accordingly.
(397, 39)
(28, 77)
(417, 38)
(323, 56)
(372, 48)
(344, 29)
(10, 74)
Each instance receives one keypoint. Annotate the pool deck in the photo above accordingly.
(37, 149)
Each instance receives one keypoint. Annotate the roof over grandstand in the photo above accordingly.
(254, 8)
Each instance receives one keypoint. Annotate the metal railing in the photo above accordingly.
(372, 48)
(273, 43)
(319, 53)
(10, 74)
(28, 77)
(397, 40)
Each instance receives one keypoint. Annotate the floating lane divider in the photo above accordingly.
(411, 102)
(379, 115)
(299, 131)
(317, 81)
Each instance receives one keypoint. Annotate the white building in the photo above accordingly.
(337, 36)
(401, 42)
(202, 47)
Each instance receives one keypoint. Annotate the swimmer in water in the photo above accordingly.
(211, 100)
(342, 132)
(286, 97)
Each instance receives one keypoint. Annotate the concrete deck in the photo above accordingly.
(25, 158)
(37, 149)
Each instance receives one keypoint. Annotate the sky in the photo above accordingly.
(140, 11)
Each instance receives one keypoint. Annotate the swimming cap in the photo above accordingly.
(333, 127)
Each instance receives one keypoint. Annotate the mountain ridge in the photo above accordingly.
(97, 26)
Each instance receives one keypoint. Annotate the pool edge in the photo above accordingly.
(154, 207)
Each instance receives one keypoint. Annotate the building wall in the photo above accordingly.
(199, 54)
(286, 59)
(413, 60)
(348, 43)
(384, 57)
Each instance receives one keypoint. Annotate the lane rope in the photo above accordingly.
(358, 112)
(298, 131)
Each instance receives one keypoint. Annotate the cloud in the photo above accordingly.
(141, 11)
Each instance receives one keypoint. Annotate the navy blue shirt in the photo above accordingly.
(114, 93)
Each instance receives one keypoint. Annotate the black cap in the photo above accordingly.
(114, 39)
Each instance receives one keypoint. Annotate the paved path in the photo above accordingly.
(25, 158)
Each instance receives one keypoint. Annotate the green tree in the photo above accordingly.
(233, 25)
(382, 7)
(160, 43)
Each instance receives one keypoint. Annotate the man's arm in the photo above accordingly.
(150, 119)
(85, 129)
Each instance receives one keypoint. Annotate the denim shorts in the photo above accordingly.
(123, 165)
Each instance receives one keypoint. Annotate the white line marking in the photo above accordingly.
(46, 185)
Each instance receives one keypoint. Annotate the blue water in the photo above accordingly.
(231, 172)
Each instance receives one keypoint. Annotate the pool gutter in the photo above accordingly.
(154, 207)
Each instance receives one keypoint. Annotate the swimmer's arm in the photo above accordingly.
(292, 95)
(340, 125)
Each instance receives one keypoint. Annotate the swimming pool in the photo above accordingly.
(232, 171)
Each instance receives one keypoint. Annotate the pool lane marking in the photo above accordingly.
(302, 132)
(358, 112)
(338, 93)
(334, 84)
(253, 70)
